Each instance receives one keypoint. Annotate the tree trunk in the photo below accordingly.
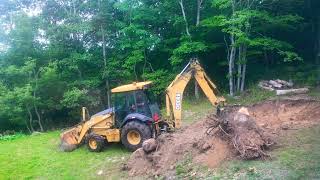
(36, 74)
(184, 17)
(196, 86)
(292, 91)
(196, 90)
(244, 68)
(105, 64)
(108, 93)
(231, 65)
(318, 52)
(199, 3)
(38, 116)
(231, 57)
(265, 54)
(239, 69)
(30, 119)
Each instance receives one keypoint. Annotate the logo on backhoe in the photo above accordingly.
(178, 101)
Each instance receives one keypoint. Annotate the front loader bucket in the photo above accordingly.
(69, 139)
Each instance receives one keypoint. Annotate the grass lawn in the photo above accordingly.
(38, 157)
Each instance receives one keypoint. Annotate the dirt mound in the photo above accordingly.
(191, 140)
(286, 114)
(207, 146)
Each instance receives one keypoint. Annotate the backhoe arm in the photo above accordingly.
(174, 92)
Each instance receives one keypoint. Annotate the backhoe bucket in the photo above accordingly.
(69, 139)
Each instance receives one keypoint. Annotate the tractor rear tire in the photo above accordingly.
(95, 143)
(134, 133)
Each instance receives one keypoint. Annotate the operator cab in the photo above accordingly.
(134, 101)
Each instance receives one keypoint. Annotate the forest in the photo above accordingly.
(59, 55)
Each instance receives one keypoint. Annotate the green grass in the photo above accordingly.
(195, 109)
(38, 157)
(250, 96)
(315, 93)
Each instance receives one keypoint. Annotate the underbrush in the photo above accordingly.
(11, 137)
(251, 96)
(315, 93)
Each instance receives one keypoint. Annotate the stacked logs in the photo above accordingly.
(281, 87)
(272, 85)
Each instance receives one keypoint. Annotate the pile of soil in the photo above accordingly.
(210, 146)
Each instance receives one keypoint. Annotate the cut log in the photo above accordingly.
(272, 85)
(265, 86)
(292, 91)
(275, 84)
(285, 83)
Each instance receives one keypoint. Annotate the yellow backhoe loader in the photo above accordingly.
(135, 117)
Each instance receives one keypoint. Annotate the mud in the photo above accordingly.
(209, 147)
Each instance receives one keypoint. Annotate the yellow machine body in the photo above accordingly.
(98, 124)
(103, 124)
(132, 87)
(174, 92)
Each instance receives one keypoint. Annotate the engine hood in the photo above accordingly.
(107, 111)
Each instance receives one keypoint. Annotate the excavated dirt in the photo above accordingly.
(209, 147)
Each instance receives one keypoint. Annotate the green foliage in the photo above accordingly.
(78, 98)
(290, 56)
(53, 61)
(183, 167)
(74, 97)
(186, 50)
(161, 79)
(11, 137)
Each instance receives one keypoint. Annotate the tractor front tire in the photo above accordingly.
(95, 143)
(134, 133)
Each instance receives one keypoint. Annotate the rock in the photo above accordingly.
(205, 147)
(285, 126)
(36, 133)
(252, 170)
(149, 145)
(139, 153)
(100, 172)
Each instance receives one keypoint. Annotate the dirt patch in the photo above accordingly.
(210, 148)
(286, 114)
